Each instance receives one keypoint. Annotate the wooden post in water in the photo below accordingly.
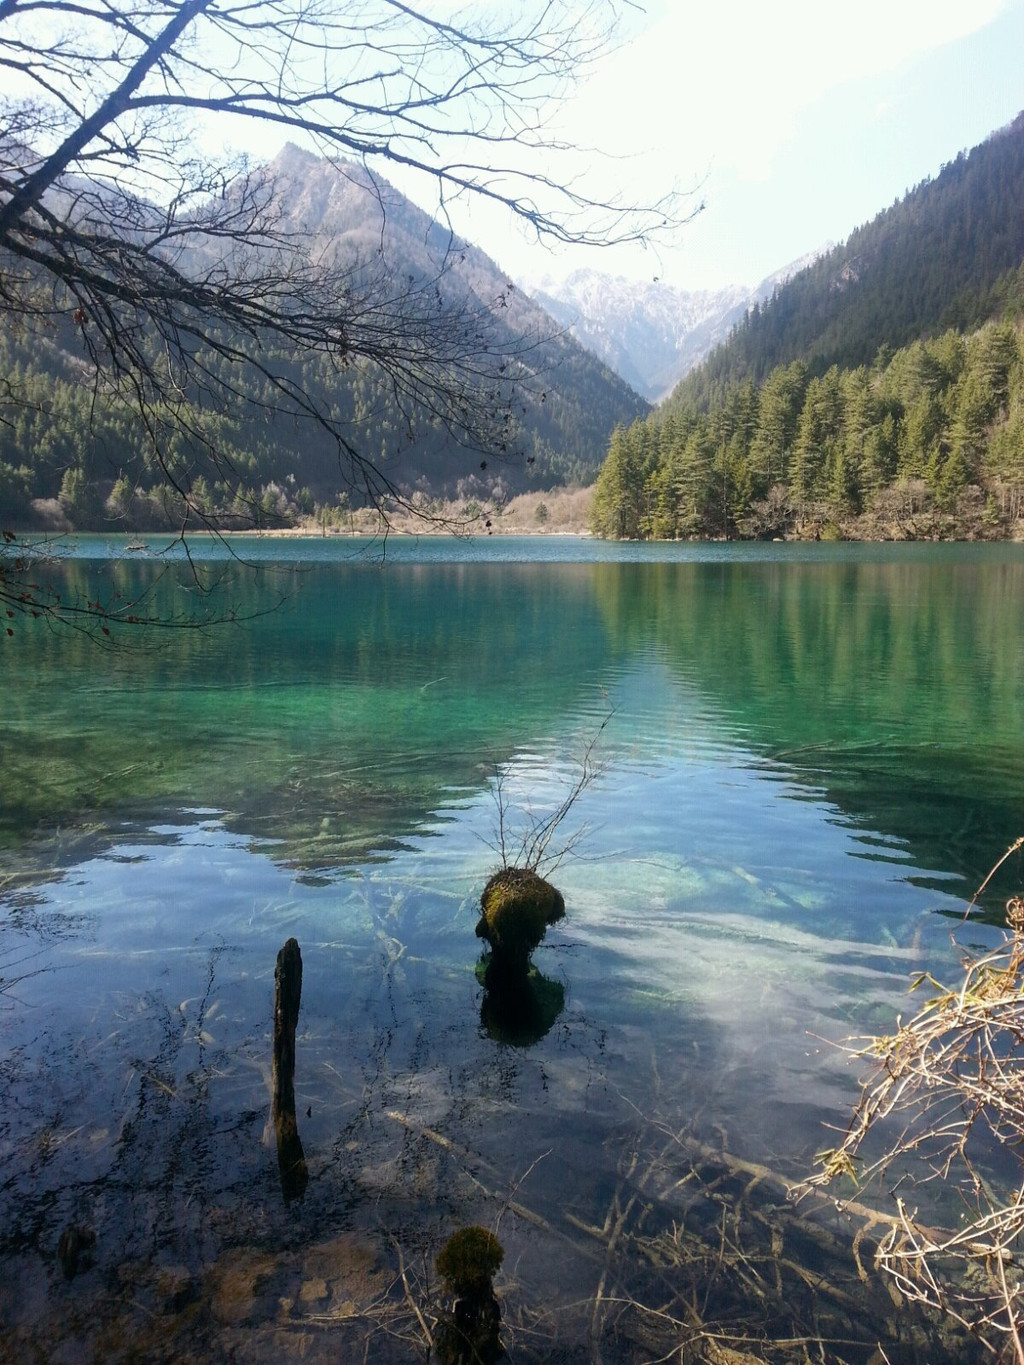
(291, 1160)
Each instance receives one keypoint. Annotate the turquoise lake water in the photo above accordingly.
(810, 757)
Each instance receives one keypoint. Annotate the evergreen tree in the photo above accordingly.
(620, 494)
(820, 429)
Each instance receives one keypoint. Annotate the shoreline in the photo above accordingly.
(458, 533)
(51, 533)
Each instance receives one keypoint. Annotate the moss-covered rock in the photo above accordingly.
(517, 906)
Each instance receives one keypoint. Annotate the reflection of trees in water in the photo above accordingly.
(336, 724)
(631, 1236)
(891, 687)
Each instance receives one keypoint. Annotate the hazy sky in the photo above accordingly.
(796, 120)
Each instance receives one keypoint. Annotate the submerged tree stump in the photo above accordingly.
(470, 1333)
(291, 1160)
(517, 906)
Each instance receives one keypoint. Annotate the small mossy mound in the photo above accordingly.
(469, 1261)
(517, 905)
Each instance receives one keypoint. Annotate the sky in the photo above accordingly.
(793, 122)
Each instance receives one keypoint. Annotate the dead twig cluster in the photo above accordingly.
(952, 1079)
(699, 1257)
(528, 844)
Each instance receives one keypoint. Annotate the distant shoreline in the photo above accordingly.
(307, 533)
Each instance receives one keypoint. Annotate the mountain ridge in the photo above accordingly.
(75, 448)
(932, 260)
(878, 394)
(650, 332)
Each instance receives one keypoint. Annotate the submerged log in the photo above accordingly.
(291, 1160)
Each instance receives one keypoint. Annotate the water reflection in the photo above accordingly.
(76, 1250)
(782, 821)
(518, 1010)
(136, 1109)
(335, 726)
(291, 1159)
(891, 686)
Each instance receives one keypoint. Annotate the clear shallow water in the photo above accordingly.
(812, 759)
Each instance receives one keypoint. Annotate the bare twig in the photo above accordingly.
(953, 1077)
(529, 846)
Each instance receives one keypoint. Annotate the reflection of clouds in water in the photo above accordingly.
(750, 928)
(405, 1095)
(703, 898)
(724, 912)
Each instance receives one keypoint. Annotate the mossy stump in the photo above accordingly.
(517, 906)
(467, 1263)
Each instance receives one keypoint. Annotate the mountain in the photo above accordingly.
(936, 259)
(878, 394)
(644, 330)
(68, 442)
(361, 217)
(649, 332)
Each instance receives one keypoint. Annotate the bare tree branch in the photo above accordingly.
(182, 278)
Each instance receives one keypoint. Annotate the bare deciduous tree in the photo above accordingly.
(190, 289)
(181, 271)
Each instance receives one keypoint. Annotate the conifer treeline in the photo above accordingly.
(928, 440)
(72, 454)
(808, 421)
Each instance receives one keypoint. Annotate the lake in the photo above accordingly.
(806, 760)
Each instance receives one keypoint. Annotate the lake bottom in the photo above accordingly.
(632, 1149)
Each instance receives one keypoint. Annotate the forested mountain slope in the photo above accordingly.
(69, 451)
(935, 260)
(879, 394)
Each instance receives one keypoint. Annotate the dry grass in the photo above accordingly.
(951, 1080)
(559, 511)
(567, 512)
